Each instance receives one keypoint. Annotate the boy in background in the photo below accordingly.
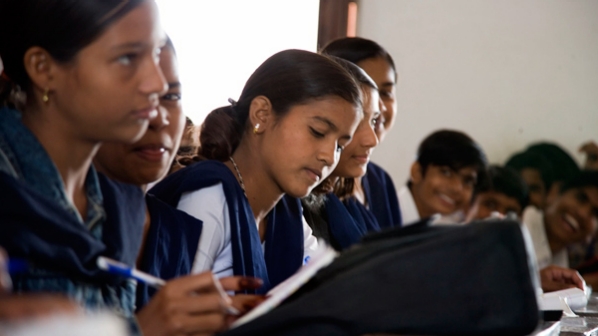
(537, 173)
(443, 179)
(504, 192)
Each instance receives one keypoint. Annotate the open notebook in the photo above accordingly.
(321, 258)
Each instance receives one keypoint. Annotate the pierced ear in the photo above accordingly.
(39, 66)
(417, 174)
(261, 115)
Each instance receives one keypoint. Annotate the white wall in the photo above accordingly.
(507, 72)
(220, 43)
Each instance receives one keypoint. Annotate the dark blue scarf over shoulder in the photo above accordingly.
(35, 228)
(170, 245)
(284, 237)
(382, 196)
(344, 229)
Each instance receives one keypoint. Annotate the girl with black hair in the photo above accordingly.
(283, 136)
(377, 186)
(344, 216)
(86, 73)
(77, 74)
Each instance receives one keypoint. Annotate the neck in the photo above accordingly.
(358, 192)
(262, 192)
(554, 244)
(72, 156)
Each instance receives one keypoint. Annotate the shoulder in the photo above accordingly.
(212, 195)
(378, 172)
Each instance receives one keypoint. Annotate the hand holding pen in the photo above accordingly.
(193, 304)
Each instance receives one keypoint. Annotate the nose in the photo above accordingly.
(370, 139)
(153, 83)
(161, 119)
(382, 106)
(328, 154)
(456, 185)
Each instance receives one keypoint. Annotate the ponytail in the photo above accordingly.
(220, 134)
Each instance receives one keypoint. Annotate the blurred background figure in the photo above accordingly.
(590, 149)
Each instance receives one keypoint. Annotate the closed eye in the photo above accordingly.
(316, 133)
(171, 96)
(386, 94)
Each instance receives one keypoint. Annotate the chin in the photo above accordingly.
(299, 192)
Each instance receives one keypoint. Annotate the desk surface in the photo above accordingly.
(585, 324)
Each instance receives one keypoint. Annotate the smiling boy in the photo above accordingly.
(443, 178)
(505, 192)
(570, 217)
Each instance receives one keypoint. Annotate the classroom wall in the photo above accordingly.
(507, 72)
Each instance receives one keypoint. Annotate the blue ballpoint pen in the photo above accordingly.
(116, 267)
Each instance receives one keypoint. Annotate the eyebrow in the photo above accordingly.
(130, 45)
(387, 84)
(174, 85)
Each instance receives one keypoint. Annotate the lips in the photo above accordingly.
(146, 113)
(363, 159)
(314, 174)
(449, 201)
(570, 222)
(153, 153)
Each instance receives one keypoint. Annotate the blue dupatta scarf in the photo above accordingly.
(170, 245)
(47, 236)
(284, 237)
(345, 230)
(361, 215)
(382, 196)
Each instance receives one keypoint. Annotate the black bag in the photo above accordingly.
(442, 280)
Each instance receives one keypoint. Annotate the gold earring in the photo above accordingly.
(256, 128)
(45, 97)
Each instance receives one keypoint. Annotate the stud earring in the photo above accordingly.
(45, 97)
(256, 128)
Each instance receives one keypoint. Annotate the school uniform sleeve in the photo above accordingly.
(310, 243)
(214, 251)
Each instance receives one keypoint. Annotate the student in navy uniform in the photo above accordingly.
(343, 215)
(503, 192)
(444, 177)
(80, 73)
(379, 65)
(170, 235)
(536, 171)
(295, 114)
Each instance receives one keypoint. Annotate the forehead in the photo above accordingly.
(333, 109)
(531, 175)
(500, 198)
(138, 28)
(464, 171)
(379, 69)
(168, 65)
